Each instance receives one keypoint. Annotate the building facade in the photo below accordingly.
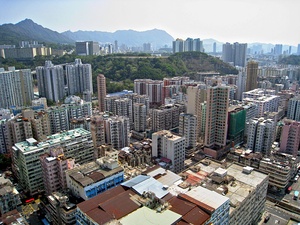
(168, 145)
(101, 87)
(16, 88)
(216, 116)
(26, 164)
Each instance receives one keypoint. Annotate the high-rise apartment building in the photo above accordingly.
(216, 116)
(79, 77)
(16, 88)
(278, 49)
(178, 45)
(139, 117)
(140, 86)
(117, 132)
(101, 87)
(51, 81)
(261, 134)
(59, 119)
(298, 49)
(188, 129)
(119, 107)
(98, 130)
(290, 137)
(235, 53)
(293, 111)
(168, 145)
(189, 45)
(26, 164)
(143, 99)
(87, 48)
(241, 83)
(166, 117)
(154, 91)
(236, 124)
(252, 72)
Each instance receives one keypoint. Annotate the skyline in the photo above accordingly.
(274, 22)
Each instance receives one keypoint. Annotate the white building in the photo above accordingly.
(266, 100)
(51, 81)
(217, 204)
(79, 77)
(188, 129)
(165, 144)
(261, 135)
(16, 87)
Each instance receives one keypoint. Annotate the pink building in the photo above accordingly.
(290, 137)
(54, 166)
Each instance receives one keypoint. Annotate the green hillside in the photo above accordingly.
(123, 69)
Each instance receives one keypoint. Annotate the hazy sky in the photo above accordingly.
(268, 21)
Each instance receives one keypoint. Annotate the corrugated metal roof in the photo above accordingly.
(203, 206)
(94, 202)
(196, 216)
(96, 176)
(151, 185)
(99, 216)
(121, 205)
(180, 206)
(136, 180)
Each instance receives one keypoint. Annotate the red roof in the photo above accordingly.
(95, 201)
(196, 216)
(121, 205)
(190, 212)
(99, 216)
(202, 205)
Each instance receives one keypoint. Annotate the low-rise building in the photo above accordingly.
(9, 196)
(58, 209)
(90, 179)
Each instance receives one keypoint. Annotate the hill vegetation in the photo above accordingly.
(121, 70)
(291, 60)
(27, 30)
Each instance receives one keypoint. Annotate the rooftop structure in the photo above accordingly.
(91, 179)
(242, 185)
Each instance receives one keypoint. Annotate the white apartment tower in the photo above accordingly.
(293, 112)
(168, 145)
(79, 77)
(261, 134)
(117, 131)
(16, 88)
(51, 81)
(188, 129)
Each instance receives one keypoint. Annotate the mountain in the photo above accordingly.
(27, 30)
(158, 38)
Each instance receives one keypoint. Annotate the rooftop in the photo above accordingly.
(150, 217)
(92, 172)
(31, 144)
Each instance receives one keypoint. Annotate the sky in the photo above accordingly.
(244, 21)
